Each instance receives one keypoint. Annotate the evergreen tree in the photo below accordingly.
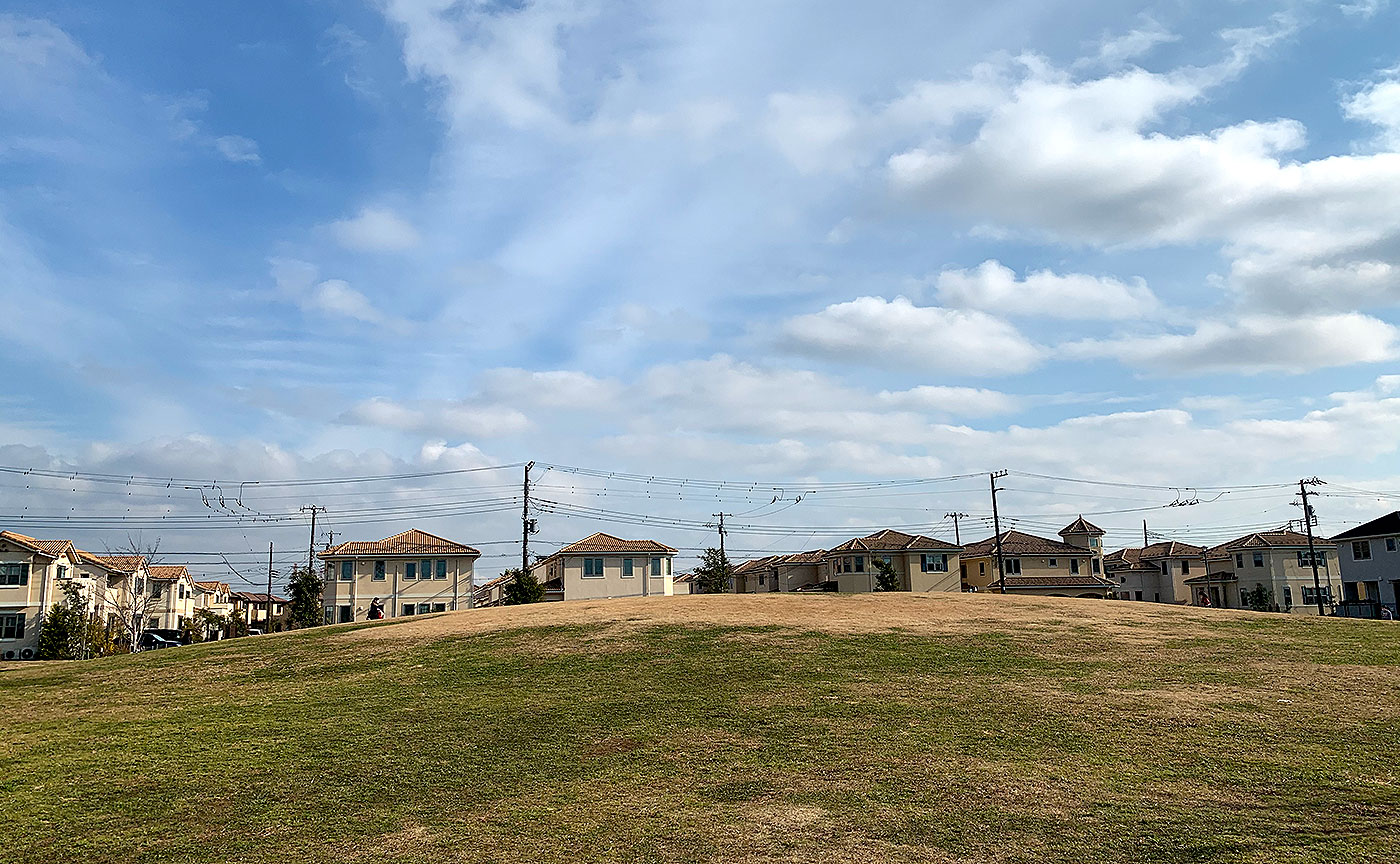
(714, 573)
(305, 589)
(885, 577)
(522, 588)
(63, 632)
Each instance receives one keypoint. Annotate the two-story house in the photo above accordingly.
(775, 573)
(215, 598)
(1369, 560)
(410, 573)
(252, 609)
(602, 565)
(1267, 570)
(1037, 565)
(32, 572)
(1157, 573)
(921, 564)
(172, 596)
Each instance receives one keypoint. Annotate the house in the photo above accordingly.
(119, 585)
(1156, 573)
(1369, 564)
(216, 598)
(921, 564)
(602, 565)
(172, 596)
(410, 573)
(252, 609)
(32, 572)
(1039, 566)
(1266, 570)
(493, 593)
(772, 573)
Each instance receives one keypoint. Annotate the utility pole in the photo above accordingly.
(525, 525)
(1312, 552)
(721, 516)
(1144, 534)
(311, 544)
(957, 534)
(267, 625)
(330, 539)
(996, 527)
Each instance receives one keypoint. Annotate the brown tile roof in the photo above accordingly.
(410, 542)
(116, 563)
(167, 572)
(213, 585)
(1081, 581)
(1080, 526)
(894, 541)
(1268, 540)
(605, 543)
(1015, 543)
(1134, 558)
(1212, 578)
(47, 548)
(249, 597)
(792, 560)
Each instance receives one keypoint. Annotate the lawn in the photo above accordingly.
(880, 728)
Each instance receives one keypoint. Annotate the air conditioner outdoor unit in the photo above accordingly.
(9, 655)
(26, 654)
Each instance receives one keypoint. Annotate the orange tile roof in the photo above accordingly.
(47, 548)
(410, 542)
(795, 559)
(1282, 539)
(116, 563)
(167, 572)
(213, 585)
(606, 543)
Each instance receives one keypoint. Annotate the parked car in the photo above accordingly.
(151, 640)
(255, 631)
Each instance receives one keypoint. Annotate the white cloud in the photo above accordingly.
(236, 148)
(1254, 344)
(953, 401)
(994, 287)
(1379, 105)
(458, 419)
(815, 132)
(300, 282)
(1363, 8)
(876, 331)
(376, 229)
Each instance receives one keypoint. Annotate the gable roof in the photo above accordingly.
(115, 563)
(47, 548)
(1080, 526)
(168, 572)
(1014, 543)
(894, 541)
(1380, 526)
(250, 597)
(410, 542)
(790, 560)
(605, 543)
(1134, 558)
(212, 585)
(1282, 539)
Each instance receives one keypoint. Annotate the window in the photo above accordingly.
(424, 608)
(378, 572)
(1095, 567)
(668, 566)
(11, 625)
(62, 572)
(1239, 559)
(1390, 544)
(860, 563)
(1185, 567)
(1074, 566)
(425, 568)
(1305, 561)
(656, 566)
(593, 568)
(408, 608)
(1166, 568)
(1311, 594)
(1258, 559)
(330, 615)
(441, 569)
(1051, 562)
(626, 568)
(1137, 595)
(347, 571)
(933, 563)
(1361, 550)
(347, 614)
(1093, 542)
(981, 568)
(410, 571)
(1013, 566)
(1287, 597)
(439, 607)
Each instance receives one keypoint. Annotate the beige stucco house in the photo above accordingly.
(173, 596)
(1070, 567)
(1277, 562)
(602, 565)
(411, 573)
(923, 564)
(31, 573)
(1157, 573)
(777, 573)
(252, 608)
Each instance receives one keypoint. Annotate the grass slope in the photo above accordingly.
(772, 728)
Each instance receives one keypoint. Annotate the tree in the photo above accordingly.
(522, 588)
(714, 573)
(134, 599)
(305, 587)
(211, 625)
(1259, 599)
(63, 631)
(885, 577)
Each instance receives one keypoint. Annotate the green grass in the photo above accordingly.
(1267, 741)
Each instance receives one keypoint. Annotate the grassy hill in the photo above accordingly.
(770, 728)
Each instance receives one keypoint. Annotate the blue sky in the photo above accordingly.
(785, 240)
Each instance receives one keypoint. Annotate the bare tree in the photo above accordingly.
(136, 599)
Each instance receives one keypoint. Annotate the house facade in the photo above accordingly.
(1037, 566)
(921, 564)
(1369, 563)
(775, 573)
(32, 573)
(173, 596)
(252, 609)
(1275, 563)
(601, 566)
(1157, 573)
(411, 573)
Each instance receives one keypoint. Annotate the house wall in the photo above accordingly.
(1280, 571)
(1383, 568)
(981, 573)
(41, 591)
(612, 583)
(907, 567)
(395, 590)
